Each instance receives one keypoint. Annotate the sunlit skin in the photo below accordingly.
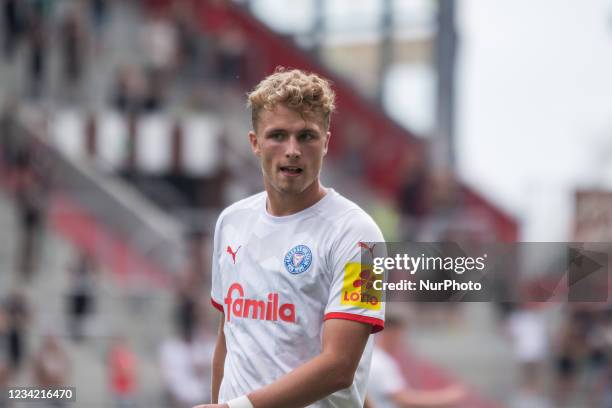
(291, 147)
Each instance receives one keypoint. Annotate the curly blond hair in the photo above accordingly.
(305, 92)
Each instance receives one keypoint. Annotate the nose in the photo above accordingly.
(293, 148)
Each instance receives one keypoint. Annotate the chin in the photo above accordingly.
(290, 189)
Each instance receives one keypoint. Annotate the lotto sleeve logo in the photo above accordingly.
(358, 287)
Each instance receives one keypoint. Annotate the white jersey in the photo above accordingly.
(386, 379)
(278, 278)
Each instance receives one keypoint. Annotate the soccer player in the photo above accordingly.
(296, 324)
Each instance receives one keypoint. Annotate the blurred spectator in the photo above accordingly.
(186, 312)
(130, 89)
(91, 138)
(73, 38)
(136, 92)
(176, 149)
(18, 314)
(99, 16)
(160, 43)
(355, 142)
(217, 195)
(51, 366)
(122, 93)
(571, 349)
(14, 21)
(154, 97)
(231, 57)
(189, 287)
(37, 38)
(131, 162)
(32, 184)
(412, 195)
(598, 360)
(122, 373)
(441, 207)
(13, 136)
(186, 366)
(387, 388)
(192, 47)
(81, 295)
(527, 329)
(603, 384)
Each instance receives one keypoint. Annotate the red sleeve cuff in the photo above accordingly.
(216, 305)
(377, 324)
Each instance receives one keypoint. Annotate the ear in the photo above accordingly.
(328, 134)
(254, 143)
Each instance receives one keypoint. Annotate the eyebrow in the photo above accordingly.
(283, 130)
(275, 130)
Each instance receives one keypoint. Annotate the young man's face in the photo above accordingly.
(291, 148)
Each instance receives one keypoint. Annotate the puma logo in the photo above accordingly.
(233, 253)
(365, 246)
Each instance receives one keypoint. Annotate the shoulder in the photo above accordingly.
(347, 217)
(244, 207)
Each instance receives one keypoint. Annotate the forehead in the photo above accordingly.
(281, 117)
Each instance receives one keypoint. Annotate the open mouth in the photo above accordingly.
(291, 170)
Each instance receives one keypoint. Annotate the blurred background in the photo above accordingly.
(123, 133)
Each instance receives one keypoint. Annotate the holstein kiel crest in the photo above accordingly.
(298, 260)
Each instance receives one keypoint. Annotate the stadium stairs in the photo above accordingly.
(137, 308)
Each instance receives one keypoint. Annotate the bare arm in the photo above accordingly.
(334, 369)
(218, 361)
(343, 344)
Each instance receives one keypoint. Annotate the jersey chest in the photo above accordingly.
(272, 273)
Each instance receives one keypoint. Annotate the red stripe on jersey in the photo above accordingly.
(377, 324)
(216, 305)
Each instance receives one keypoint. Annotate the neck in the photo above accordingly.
(281, 204)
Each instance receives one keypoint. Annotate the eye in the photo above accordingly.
(278, 136)
(307, 136)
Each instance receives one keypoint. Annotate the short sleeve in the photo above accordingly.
(352, 295)
(216, 294)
